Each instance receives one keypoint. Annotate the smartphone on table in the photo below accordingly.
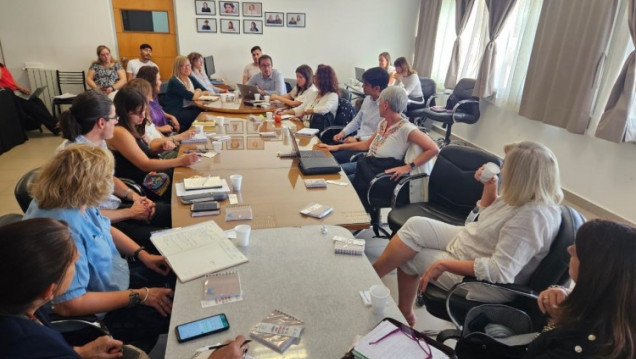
(202, 327)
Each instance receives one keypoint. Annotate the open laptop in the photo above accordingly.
(247, 91)
(34, 94)
(359, 72)
(314, 162)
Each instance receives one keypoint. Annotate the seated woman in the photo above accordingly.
(136, 300)
(41, 264)
(325, 100)
(105, 74)
(196, 61)
(513, 234)
(407, 78)
(384, 61)
(134, 158)
(387, 146)
(183, 89)
(91, 120)
(304, 88)
(164, 122)
(597, 318)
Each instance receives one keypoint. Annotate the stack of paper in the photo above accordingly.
(198, 182)
(307, 132)
(316, 210)
(198, 138)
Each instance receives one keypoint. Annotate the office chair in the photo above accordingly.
(553, 270)
(10, 218)
(66, 78)
(461, 106)
(415, 110)
(345, 113)
(288, 86)
(452, 189)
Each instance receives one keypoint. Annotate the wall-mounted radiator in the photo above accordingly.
(43, 77)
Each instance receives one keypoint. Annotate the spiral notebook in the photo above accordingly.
(238, 212)
(350, 246)
(220, 288)
(276, 341)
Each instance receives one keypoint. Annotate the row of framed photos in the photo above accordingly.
(230, 26)
(250, 9)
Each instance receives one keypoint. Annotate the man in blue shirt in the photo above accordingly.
(374, 80)
(268, 81)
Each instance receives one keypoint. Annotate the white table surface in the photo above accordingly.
(294, 270)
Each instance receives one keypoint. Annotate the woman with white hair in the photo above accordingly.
(515, 230)
(386, 147)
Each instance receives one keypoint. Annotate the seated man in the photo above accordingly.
(374, 80)
(145, 54)
(268, 81)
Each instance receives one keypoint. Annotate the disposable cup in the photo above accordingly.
(243, 234)
(379, 298)
(490, 170)
(266, 98)
(220, 120)
(217, 146)
(257, 96)
(269, 115)
(236, 182)
(199, 128)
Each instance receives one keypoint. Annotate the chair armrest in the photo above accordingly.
(328, 130)
(447, 334)
(401, 183)
(460, 104)
(134, 186)
(430, 100)
(355, 157)
(378, 178)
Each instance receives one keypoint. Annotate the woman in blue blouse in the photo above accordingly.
(136, 299)
(183, 89)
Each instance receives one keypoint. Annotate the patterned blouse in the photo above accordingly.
(392, 142)
(106, 76)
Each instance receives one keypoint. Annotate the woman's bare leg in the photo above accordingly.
(407, 289)
(394, 255)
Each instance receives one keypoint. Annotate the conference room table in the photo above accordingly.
(235, 106)
(272, 186)
(293, 270)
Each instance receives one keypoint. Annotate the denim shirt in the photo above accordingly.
(99, 268)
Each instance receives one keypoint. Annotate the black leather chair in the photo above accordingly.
(21, 190)
(415, 110)
(12, 133)
(10, 218)
(67, 78)
(288, 87)
(452, 189)
(461, 106)
(553, 270)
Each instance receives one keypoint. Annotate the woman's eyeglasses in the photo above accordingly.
(409, 334)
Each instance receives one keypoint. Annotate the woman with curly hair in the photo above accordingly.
(325, 100)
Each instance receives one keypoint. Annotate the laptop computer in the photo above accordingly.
(247, 91)
(34, 94)
(359, 72)
(314, 162)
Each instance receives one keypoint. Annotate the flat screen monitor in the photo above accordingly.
(359, 72)
(209, 65)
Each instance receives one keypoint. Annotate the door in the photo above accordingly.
(164, 44)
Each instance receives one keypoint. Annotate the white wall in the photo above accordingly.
(340, 33)
(603, 172)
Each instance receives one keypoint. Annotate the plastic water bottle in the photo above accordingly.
(472, 215)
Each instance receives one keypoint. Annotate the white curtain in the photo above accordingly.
(444, 42)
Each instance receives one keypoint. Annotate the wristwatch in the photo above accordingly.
(133, 299)
(412, 164)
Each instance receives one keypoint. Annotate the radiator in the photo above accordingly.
(43, 77)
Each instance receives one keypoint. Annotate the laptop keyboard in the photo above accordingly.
(312, 154)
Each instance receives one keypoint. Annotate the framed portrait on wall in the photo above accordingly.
(229, 8)
(206, 25)
(205, 7)
(274, 18)
(252, 26)
(295, 19)
(230, 26)
(252, 9)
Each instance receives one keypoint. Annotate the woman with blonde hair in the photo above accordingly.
(136, 299)
(384, 61)
(407, 78)
(106, 73)
(183, 89)
(515, 230)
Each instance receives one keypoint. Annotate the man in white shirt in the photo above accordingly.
(374, 80)
(268, 81)
(252, 68)
(145, 54)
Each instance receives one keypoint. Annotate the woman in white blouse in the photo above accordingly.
(303, 89)
(407, 78)
(196, 61)
(516, 227)
(384, 61)
(325, 99)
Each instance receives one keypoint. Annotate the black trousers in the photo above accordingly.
(34, 113)
(140, 231)
(186, 116)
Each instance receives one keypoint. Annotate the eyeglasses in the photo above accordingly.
(116, 118)
(408, 332)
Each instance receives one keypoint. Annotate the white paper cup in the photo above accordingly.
(490, 170)
(236, 182)
(257, 96)
(199, 129)
(243, 234)
(266, 98)
(217, 146)
(379, 298)
(269, 115)
(220, 120)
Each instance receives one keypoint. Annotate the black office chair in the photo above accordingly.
(10, 218)
(415, 110)
(461, 106)
(288, 86)
(345, 113)
(553, 270)
(66, 78)
(452, 189)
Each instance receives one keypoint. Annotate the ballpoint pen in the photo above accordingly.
(212, 347)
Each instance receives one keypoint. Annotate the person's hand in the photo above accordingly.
(330, 148)
(398, 172)
(155, 262)
(175, 123)
(339, 136)
(205, 93)
(187, 134)
(309, 111)
(492, 181)
(550, 299)
(150, 206)
(234, 349)
(189, 159)
(274, 98)
(432, 273)
(139, 211)
(168, 145)
(24, 90)
(350, 139)
(261, 91)
(107, 90)
(104, 347)
(158, 298)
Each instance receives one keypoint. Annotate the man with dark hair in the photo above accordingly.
(374, 80)
(145, 54)
(268, 81)
(252, 69)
